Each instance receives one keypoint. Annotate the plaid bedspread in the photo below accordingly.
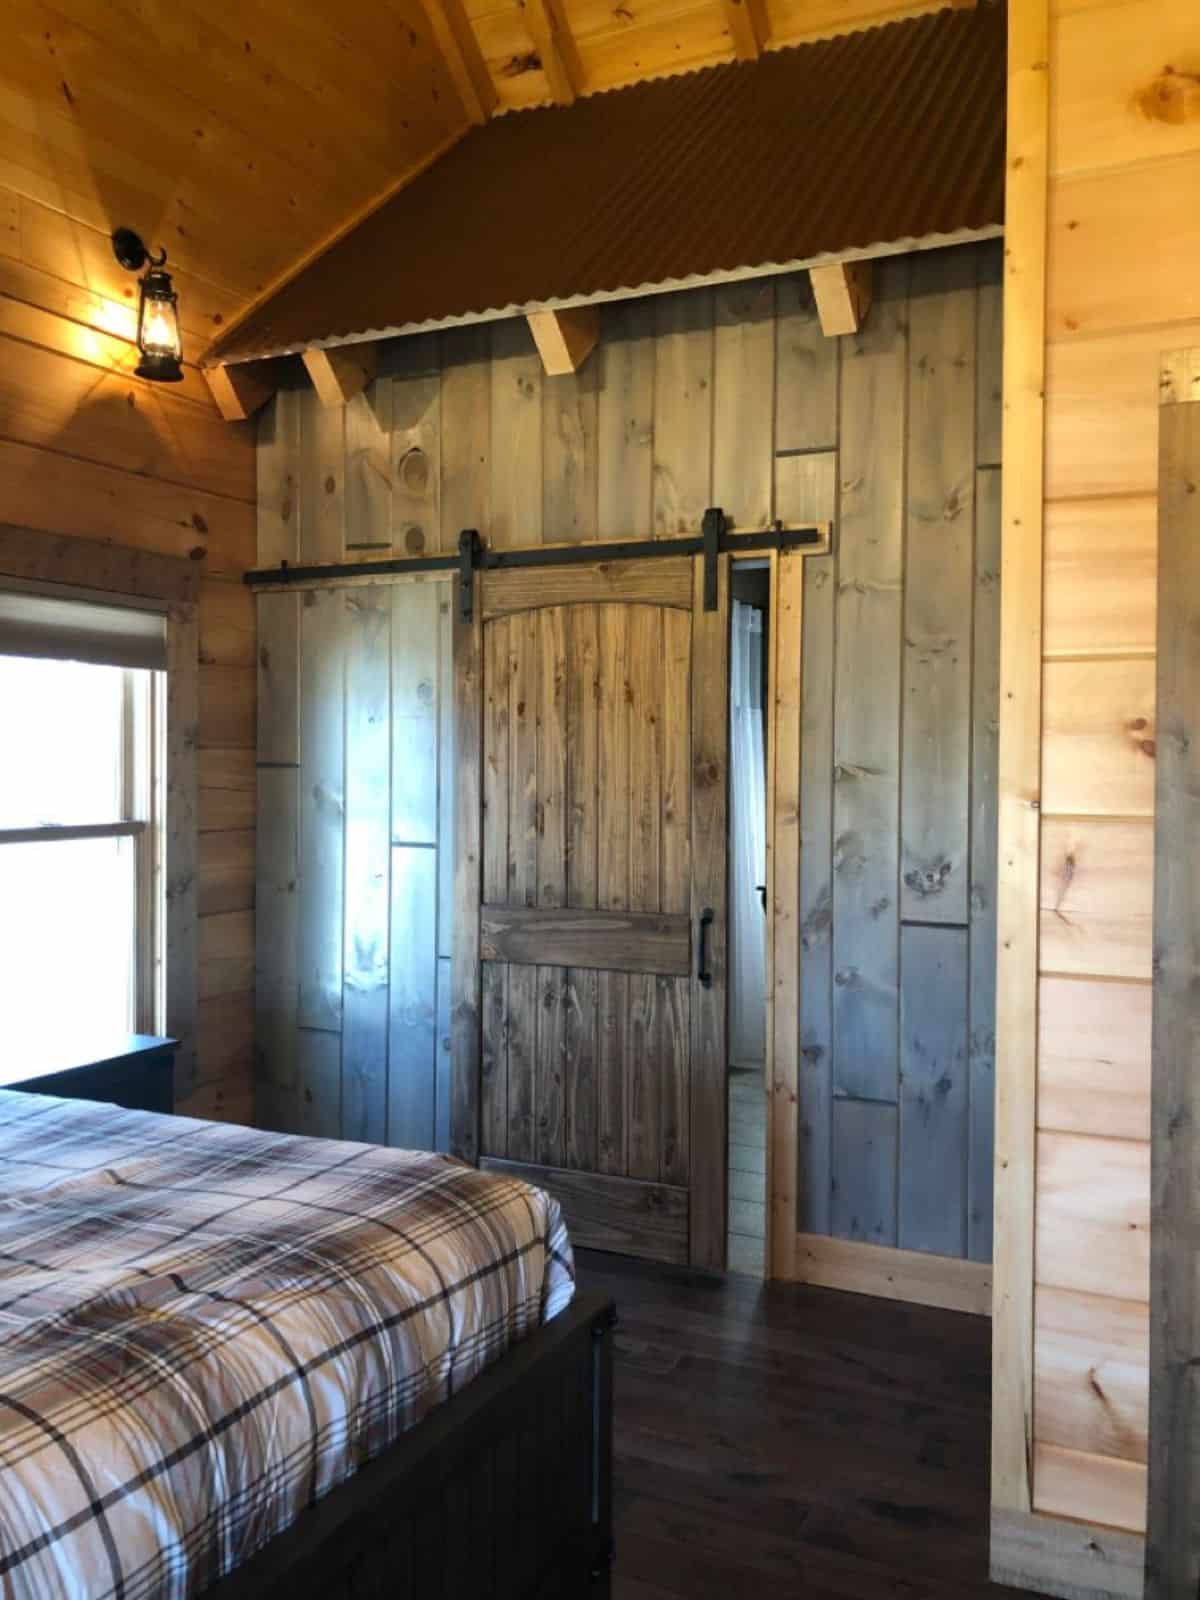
(204, 1328)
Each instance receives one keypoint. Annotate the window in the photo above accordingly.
(81, 803)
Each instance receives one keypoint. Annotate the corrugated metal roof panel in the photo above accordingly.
(855, 143)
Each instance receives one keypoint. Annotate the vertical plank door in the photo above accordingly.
(590, 1036)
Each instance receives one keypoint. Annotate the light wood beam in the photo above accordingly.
(1174, 1497)
(239, 390)
(783, 922)
(551, 34)
(1020, 754)
(843, 295)
(749, 28)
(339, 374)
(913, 1275)
(565, 339)
(455, 38)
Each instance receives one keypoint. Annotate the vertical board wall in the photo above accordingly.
(730, 397)
(899, 442)
(354, 789)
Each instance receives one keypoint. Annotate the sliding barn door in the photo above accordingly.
(590, 1022)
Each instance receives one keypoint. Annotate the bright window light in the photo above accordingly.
(67, 908)
(61, 734)
(79, 915)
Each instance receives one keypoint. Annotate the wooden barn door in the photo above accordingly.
(597, 1048)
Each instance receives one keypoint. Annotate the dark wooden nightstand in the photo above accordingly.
(134, 1070)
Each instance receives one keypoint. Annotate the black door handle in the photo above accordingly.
(703, 972)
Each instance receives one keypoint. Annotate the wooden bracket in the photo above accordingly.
(240, 390)
(341, 373)
(748, 27)
(455, 38)
(565, 339)
(843, 295)
(555, 44)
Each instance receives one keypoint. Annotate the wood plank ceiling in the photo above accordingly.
(237, 135)
(602, 44)
(245, 134)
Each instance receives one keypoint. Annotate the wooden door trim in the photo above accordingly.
(612, 941)
(914, 1276)
(1020, 754)
(786, 644)
(666, 581)
(708, 1084)
(1055, 1556)
(1174, 1483)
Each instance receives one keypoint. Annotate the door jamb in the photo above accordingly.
(783, 897)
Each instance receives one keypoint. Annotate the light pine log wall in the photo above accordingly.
(729, 397)
(1125, 164)
(87, 450)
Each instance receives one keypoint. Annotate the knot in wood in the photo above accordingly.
(926, 882)
(414, 471)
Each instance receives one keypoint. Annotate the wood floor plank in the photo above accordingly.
(791, 1440)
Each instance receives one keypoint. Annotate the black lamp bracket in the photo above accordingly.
(132, 253)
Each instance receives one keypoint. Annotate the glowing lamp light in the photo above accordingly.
(158, 328)
(158, 310)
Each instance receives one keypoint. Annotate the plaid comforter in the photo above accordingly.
(204, 1328)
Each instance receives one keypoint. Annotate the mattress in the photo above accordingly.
(204, 1328)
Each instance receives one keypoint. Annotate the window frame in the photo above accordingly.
(57, 564)
(140, 819)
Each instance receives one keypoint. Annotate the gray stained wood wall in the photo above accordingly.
(732, 397)
(354, 888)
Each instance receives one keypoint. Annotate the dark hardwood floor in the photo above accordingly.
(783, 1440)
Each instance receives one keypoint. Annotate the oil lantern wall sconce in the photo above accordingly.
(158, 309)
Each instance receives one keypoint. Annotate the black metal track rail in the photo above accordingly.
(475, 556)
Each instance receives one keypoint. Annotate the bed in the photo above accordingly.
(236, 1363)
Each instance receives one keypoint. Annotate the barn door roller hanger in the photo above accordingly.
(717, 538)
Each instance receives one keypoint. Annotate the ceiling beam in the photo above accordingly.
(242, 389)
(748, 27)
(555, 44)
(455, 38)
(565, 339)
(339, 374)
(843, 295)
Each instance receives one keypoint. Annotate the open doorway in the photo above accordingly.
(748, 658)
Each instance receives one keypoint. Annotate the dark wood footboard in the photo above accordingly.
(504, 1492)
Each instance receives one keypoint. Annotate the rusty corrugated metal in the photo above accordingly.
(859, 142)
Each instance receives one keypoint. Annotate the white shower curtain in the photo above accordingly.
(748, 842)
